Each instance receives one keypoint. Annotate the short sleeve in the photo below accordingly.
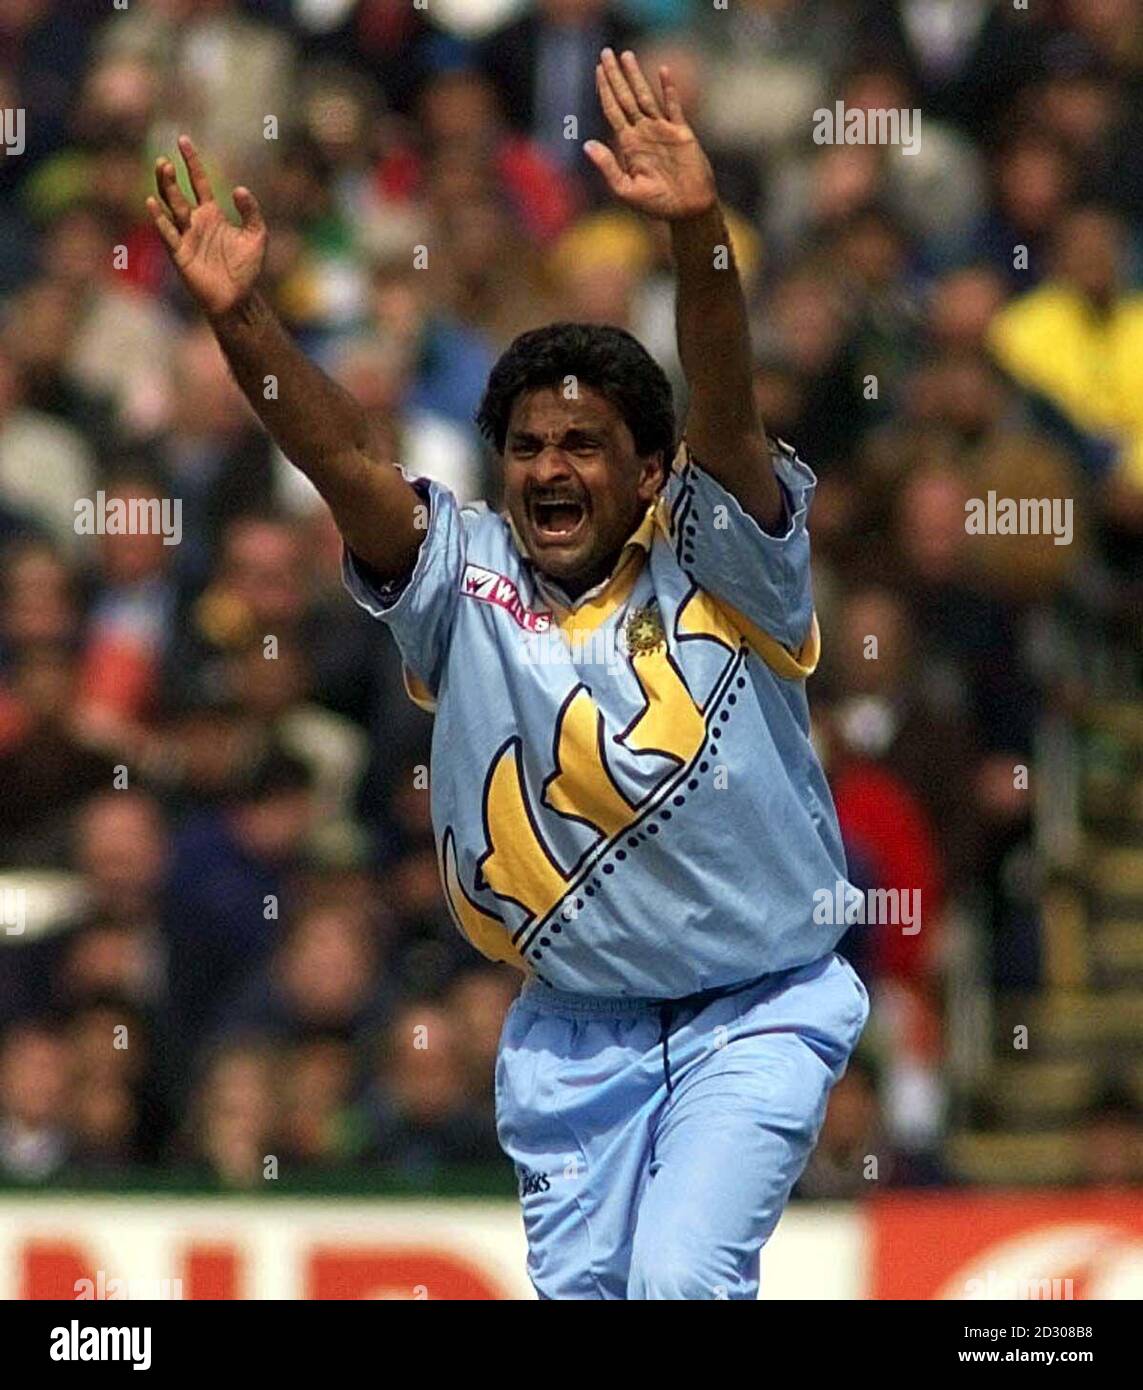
(419, 610)
(765, 578)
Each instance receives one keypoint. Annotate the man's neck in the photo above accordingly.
(576, 587)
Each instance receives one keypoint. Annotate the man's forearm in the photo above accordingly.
(310, 417)
(323, 431)
(723, 427)
(712, 325)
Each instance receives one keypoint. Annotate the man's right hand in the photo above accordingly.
(219, 263)
(317, 425)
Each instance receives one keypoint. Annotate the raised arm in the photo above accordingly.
(658, 167)
(317, 425)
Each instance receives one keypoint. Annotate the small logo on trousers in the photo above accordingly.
(531, 1183)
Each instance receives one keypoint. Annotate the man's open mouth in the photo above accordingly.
(557, 519)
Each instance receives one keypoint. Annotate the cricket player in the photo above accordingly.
(626, 802)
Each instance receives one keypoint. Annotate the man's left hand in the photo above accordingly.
(658, 166)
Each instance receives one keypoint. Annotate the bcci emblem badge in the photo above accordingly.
(643, 631)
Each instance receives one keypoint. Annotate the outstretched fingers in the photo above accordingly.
(605, 161)
(671, 102)
(171, 195)
(611, 108)
(249, 210)
(199, 181)
(161, 217)
(640, 87)
(620, 88)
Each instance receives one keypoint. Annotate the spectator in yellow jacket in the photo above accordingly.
(1077, 340)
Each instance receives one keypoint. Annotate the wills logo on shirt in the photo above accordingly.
(489, 587)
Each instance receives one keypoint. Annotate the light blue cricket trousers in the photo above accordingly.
(656, 1142)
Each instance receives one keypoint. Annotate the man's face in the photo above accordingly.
(574, 484)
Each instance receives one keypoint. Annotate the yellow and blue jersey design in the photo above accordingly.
(624, 794)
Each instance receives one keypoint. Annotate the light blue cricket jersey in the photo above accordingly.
(624, 793)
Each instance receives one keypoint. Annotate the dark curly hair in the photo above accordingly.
(607, 359)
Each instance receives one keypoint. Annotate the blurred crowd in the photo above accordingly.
(212, 780)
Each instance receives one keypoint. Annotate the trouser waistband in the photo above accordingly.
(544, 999)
